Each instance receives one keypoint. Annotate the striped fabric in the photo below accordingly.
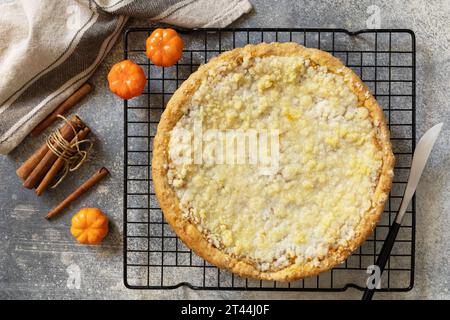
(48, 48)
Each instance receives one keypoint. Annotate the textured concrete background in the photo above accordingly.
(35, 254)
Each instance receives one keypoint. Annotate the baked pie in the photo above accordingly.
(309, 194)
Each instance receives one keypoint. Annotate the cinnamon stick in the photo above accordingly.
(96, 177)
(59, 163)
(62, 108)
(25, 169)
(47, 161)
(28, 166)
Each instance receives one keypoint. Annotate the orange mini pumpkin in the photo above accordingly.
(164, 47)
(126, 79)
(89, 226)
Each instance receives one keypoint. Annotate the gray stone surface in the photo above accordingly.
(35, 254)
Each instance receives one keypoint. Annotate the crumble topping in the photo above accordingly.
(328, 161)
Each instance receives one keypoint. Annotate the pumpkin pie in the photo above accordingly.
(296, 216)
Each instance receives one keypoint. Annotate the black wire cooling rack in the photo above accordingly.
(154, 258)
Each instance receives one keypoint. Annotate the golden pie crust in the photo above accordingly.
(188, 231)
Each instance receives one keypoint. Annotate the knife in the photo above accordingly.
(420, 158)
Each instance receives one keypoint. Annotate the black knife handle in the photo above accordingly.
(383, 256)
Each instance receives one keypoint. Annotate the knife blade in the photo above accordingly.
(420, 158)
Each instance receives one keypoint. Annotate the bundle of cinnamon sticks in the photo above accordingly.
(43, 166)
(56, 154)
